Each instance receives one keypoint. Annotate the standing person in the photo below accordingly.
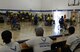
(72, 20)
(65, 23)
(61, 22)
(73, 40)
(9, 45)
(40, 43)
(36, 20)
(13, 22)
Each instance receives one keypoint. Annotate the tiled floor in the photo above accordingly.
(27, 30)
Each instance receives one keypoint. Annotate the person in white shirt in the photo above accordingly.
(9, 46)
(73, 40)
(40, 43)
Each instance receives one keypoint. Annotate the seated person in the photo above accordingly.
(73, 40)
(9, 45)
(40, 43)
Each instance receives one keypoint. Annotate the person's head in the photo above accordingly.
(71, 30)
(39, 31)
(73, 16)
(36, 14)
(65, 16)
(61, 16)
(6, 36)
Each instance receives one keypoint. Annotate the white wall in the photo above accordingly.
(57, 4)
(36, 4)
(26, 4)
(20, 4)
(5, 4)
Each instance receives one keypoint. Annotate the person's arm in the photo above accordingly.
(27, 44)
(52, 39)
(24, 46)
(67, 46)
(68, 43)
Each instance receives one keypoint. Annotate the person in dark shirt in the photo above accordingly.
(61, 22)
(36, 20)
